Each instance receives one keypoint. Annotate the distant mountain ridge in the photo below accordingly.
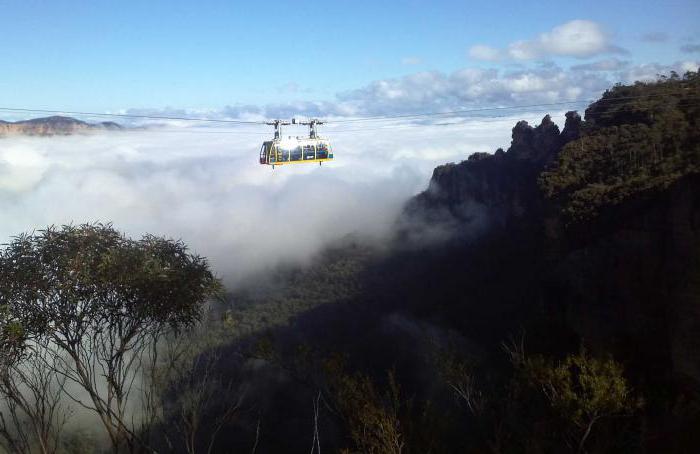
(54, 126)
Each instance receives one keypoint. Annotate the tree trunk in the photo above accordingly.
(582, 442)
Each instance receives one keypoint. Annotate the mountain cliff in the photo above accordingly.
(52, 126)
(589, 235)
(489, 191)
(611, 209)
(636, 139)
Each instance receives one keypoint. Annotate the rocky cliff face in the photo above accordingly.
(615, 275)
(51, 126)
(489, 191)
(624, 280)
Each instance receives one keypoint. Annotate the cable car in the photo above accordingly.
(295, 150)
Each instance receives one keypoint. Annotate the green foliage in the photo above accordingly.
(538, 404)
(88, 274)
(12, 335)
(635, 139)
(285, 292)
(95, 304)
(380, 418)
(581, 390)
(372, 417)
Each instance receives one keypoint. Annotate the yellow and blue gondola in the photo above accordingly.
(296, 150)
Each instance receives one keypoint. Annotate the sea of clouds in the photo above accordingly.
(204, 185)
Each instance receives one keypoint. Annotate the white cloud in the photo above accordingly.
(523, 50)
(468, 88)
(650, 72)
(610, 64)
(577, 38)
(483, 52)
(20, 168)
(434, 91)
(688, 66)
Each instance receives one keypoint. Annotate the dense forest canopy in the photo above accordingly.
(636, 138)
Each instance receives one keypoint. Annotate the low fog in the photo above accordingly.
(205, 186)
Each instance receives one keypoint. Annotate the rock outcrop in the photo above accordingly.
(489, 190)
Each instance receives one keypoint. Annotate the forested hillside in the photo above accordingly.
(637, 139)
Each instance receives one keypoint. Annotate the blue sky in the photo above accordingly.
(109, 56)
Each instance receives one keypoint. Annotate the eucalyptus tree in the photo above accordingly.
(94, 304)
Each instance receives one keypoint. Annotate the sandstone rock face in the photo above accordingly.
(536, 145)
(490, 190)
(51, 126)
(572, 127)
(626, 282)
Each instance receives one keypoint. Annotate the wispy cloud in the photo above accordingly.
(655, 37)
(690, 48)
(435, 91)
(484, 52)
(474, 87)
(610, 64)
(411, 61)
